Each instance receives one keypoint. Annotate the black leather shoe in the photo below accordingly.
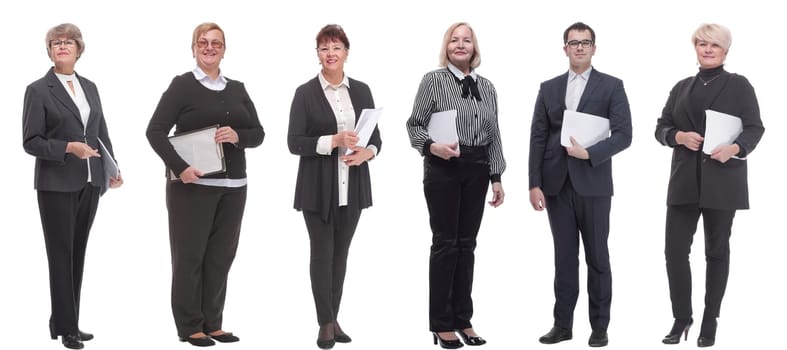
(472, 341)
(679, 327)
(72, 341)
(342, 338)
(201, 341)
(598, 338)
(326, 337)
(225, 338)
(85, 336)
(446, 344)
(326, 344)
(707, 332)
(556, 335)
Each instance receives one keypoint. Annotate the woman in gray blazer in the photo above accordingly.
(62, 126)
(332, 188)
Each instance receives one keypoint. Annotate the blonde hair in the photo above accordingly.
(67, 30)
(714, 34)
(475, 61)
(204, 28)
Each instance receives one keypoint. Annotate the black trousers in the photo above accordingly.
(572, 216)
(66, 218)
(330, 245)
(681, 225)
(455, 192)
(204, 228)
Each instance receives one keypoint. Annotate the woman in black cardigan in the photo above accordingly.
(712, 185)
(205, 211)
(332, 188)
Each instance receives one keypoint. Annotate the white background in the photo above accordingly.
(134, 49)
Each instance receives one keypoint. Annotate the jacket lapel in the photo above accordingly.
(590, 88)
(61, 95)
(92, 100)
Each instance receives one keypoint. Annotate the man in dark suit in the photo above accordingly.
(574, 183)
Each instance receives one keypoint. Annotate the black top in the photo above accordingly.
(188, 105)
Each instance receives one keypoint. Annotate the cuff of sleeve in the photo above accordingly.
(496, 178)
(373, 148)
(670, 138)
(742, 153)
(324, 145)
(427, 150)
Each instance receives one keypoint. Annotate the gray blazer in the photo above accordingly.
(50, 120)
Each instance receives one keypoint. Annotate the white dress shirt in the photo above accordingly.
(78, 96)
(575, 88)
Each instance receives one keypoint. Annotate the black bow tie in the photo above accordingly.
(469, 85)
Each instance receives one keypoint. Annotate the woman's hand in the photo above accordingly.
(537, 199)
(723, 153)
(689, 139)
(190, 175)
(81, 150)
(115, 182)
(346, 139)
(226, 134)
(359, 155)
(497, 195)
(445, 151)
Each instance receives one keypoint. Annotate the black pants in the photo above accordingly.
(66, 218)
(572, 215)
(330, 245)
(204, 228)
(455, 192)
(681, 225)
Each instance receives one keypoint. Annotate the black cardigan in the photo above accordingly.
(705, 181)
(188, 105)
(311, 116)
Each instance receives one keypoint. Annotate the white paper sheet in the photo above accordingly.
(720, 129)
(200, 150)
(365, 126)
(586, 128)
(442, 127)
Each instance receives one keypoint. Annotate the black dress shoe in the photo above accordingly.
(342, 338)
(326, 337)
(446, 344)
(707, 332)
(225, 338)
(556, 335)
(326, 343)
(472, 341)
(201, 341)
(72, 341)
(679, 327)
(85, 336)
(598, 338)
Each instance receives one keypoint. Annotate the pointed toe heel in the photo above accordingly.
(679, 327)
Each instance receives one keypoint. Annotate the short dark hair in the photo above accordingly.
(332, 32)
(579, 26)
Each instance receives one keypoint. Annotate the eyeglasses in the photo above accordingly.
(56, 43)
(216, 44)
(577, 43)
(325, 50)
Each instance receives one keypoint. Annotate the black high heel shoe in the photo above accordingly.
(681, 326)
(707, 333)
(446, 344)
(472, 341)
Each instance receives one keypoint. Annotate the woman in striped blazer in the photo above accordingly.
(456, 179)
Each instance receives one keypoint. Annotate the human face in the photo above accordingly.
(63, 52)
(709, 55)
(460, 49)
(209, 50)
(332, 55)
(581, 52)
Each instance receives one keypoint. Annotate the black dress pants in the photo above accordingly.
(204, 228)
(330, 245)
(681, 225)
(455, 192)
(66, 218)
(572, 216)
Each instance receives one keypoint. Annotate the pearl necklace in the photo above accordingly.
(705, 83)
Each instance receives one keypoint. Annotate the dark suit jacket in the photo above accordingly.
(721, 185)
(311, 116)
(604, 96)
(51, 119)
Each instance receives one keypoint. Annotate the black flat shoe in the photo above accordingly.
(201, 341)
(446, 344)
(342, 338)
(472, 341)
(326, 337)
(72, 341)
(598, 338)
(326, 344)
(85, 336)
(707, 333)
(556, 335)
(680, 326)
(227, 337)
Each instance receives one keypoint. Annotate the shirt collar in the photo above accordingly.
(200, 75)
(458, 73)
(584, 75)
(325, 84)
